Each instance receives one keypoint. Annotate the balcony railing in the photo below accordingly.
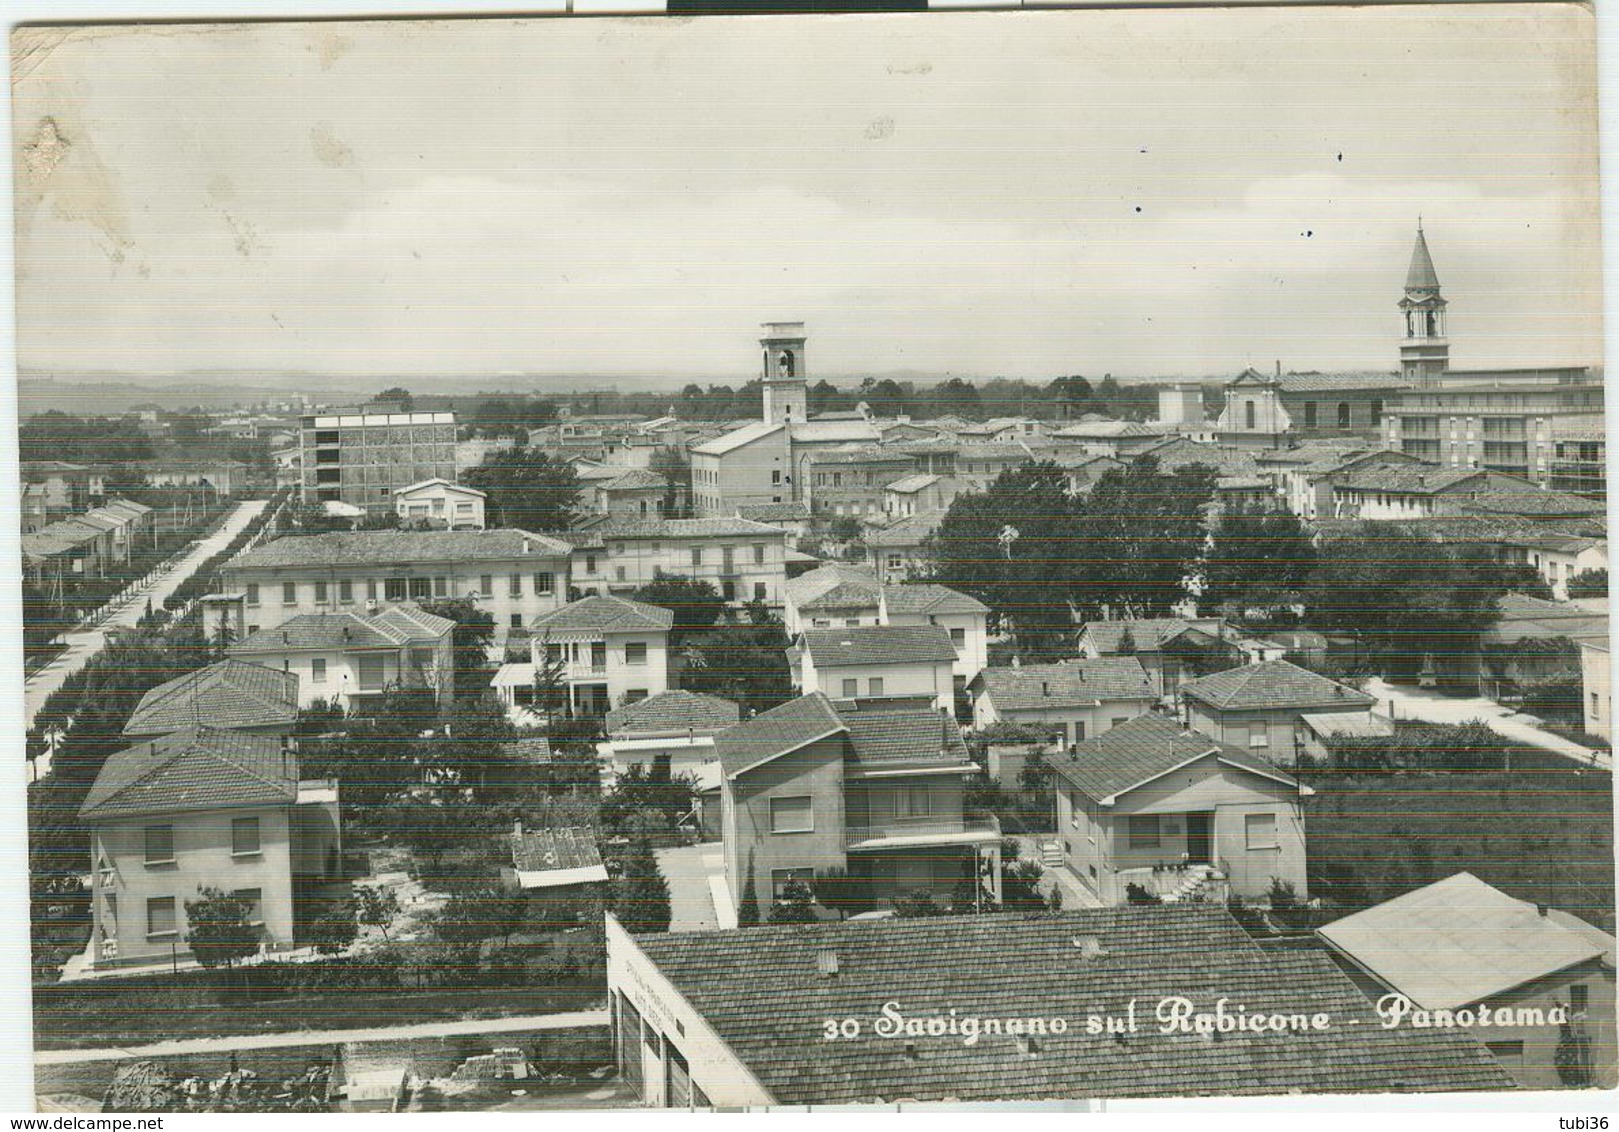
(922, 829)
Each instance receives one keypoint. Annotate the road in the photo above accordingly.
(82, 646)
(565, 1021)
(1431, 707)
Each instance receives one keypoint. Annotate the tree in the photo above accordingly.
(1588, 583)
(396, 395)
(696, 604)
(469, 640)
(640, 895)
(219, 929)
(335, 928)
(795, 905)
(527, 489)
(747, 912)
(377, 907)
(1259, 558)
(675, 468)
(746, 662)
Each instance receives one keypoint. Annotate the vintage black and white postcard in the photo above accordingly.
(779, 561)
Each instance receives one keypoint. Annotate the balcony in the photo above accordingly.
(898, 833)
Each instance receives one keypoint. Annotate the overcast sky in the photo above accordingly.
(1025, 193)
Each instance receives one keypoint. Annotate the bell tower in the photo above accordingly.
(786, 379)
(1424, 351)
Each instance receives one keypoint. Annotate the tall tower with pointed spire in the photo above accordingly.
(1425, 351)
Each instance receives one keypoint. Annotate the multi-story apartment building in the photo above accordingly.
(514, 575)
(363, 456)
(610, 651)
(875, 792)
(203, 809)
(744, 560)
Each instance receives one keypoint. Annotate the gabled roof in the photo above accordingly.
(737, 438)
(601, 614)
(1406, 479)
(394, 627)
(1148, 633)
(449, 485)
(834, 586)
(549, 858)
(916, 598)
(1459, 941)
(773, 733)
(673, 712)
(1349, 724)
(1179, 452)
(1069, 965)
(859, 454)
(199, 768)
(1340, 382)
(878, 644)
(400, 548)
(1533, 501)
(1108, 430)
(915, 483)
(912, 530)
(1072, 683)
(832, 432)
(230, 694)
(410, 622)
(1272, 684)
(635, 479)
(633, 527)
(794, 511)
(884, 735)
(1146, 748)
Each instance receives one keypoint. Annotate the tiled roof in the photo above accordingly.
(1149, 634)
(1405, 479)
(1340, 382)
(994, 451)
(894, 735)
(231, 693)
(400, 548)
(1107, 430)
(1271, 684)
(913, 483)
(762, 992)
(834, 586)
(1142, 749)
(605, 615)
(410, 622)
(1459, 941)
(199, 768)
(1073, 683)
(636, 479)
(1173, 455)
(674, 711)
(879, 644)
(555, 850)
(831, 432)
(859, 454)
(775, 732)
(737, 438)
(318, 631)
(439, 481)
(775, 512)
(912, 530)
(630, 527)
(1349, 724)
(1532, 501)
(927, 597)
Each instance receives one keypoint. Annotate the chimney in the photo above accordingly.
(525, 546)
(826, 963)
(1542, 910)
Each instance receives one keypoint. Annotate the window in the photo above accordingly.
(958, 638)
(514, 585)
(1596, 706)
(1261, 829)
(1118, 719)
(792, 815)
(635, 652)
(345, 591)
(851, 689)
(244, 837)
(289, 593)
(394, 589)
(634, 695)
(590, 563)
(160, 845)
(1579, 998)
(421, 588)
(759, 554)
(320, 593)
(851, 622)
(517, 621)
(781, 878)
(696, 556)
(543, 583)
(1343, 414)
(1509, 1052)
(729, 560)
(618, 573)
(1309, 414)
(317, 670)
(761, 592)
(1259, 734)
(486, 585)
(1144, 831)
(441, 586)
(728, 589)
(875, 685)
(371, 589)
(254, 897)
(252, 593)
(160, 917)
(1248, 414)
(775, 476)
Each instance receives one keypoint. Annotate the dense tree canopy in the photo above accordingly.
(745, 662)
(55, 435)
(696, 604)
(1259, 558)
(527, 489)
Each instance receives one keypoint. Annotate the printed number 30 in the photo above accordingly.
(848, 1028)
